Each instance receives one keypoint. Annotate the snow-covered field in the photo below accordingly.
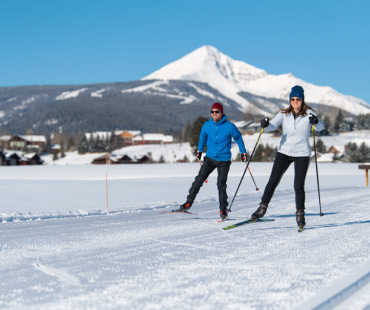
(62, 248)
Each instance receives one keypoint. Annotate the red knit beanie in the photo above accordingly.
(218, 106)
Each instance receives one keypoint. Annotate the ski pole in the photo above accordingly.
(317, 172)
(245, 170)
(250, 172)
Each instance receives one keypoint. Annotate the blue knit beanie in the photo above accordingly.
(297, 91)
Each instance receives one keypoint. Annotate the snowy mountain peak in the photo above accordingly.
(232, 77)
(207, 64)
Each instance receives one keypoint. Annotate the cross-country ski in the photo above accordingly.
(249, 221)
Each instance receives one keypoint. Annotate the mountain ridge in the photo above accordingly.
(161, 102)
(208, 65)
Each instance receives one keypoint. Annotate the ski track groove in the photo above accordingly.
(60, 274)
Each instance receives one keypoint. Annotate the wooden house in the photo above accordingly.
(32, 159)
(153, 138)
(13, 159)
(23, 143)
(4, 142)
(104, 160)
(125, 159)
(143, 160)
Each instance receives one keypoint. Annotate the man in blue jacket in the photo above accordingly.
(217, 134)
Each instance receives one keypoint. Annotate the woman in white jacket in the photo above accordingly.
(297, 120)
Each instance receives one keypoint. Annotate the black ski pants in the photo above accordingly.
(281, 164)
(208, 166)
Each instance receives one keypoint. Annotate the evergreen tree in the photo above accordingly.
(62, 154)
(320, 146)
(98, 144)
(258, 153)
(83, 145)
(363, 121)
(338, 121)
(264, 153)
(48, 145)
(270, 153)
(364, 152)
(357, 154)
(328, 126)
(195, 131)
(70, 142)
(111, 141)
(91, 144)
(257, 156)
(185, 136)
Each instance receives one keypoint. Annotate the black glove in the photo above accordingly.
(198, 155)
(265, 122)
(244, 157)
(314, 119)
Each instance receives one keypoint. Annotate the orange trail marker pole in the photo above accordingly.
(106, 178)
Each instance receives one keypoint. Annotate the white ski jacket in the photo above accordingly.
(296, 131)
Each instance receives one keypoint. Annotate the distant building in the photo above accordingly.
(4, 142)
(105, 159)
(247, 127)
(26, 143)
(124, 159)
(153, 138)
(17, 159)
(32, 159)
(121, 138)
(124, 138)
(55, 149)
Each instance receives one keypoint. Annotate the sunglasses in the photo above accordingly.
(215, 111)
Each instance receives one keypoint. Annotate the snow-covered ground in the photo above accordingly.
(63, 247)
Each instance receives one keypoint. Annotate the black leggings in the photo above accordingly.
(281, 164)
(208, 166)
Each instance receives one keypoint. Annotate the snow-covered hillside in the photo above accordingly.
(206, 64)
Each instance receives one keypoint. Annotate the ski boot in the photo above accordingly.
(301, 222)
(223, 215)
(185, 207)
(260, 212)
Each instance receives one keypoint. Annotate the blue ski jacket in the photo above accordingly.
(296, 132)
(218, 138)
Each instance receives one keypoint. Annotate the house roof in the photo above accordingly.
(15, 153)
(126, 134)
(5, 138)
(33, 138)
(154, 137)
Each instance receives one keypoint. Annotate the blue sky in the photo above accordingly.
(324, 42)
